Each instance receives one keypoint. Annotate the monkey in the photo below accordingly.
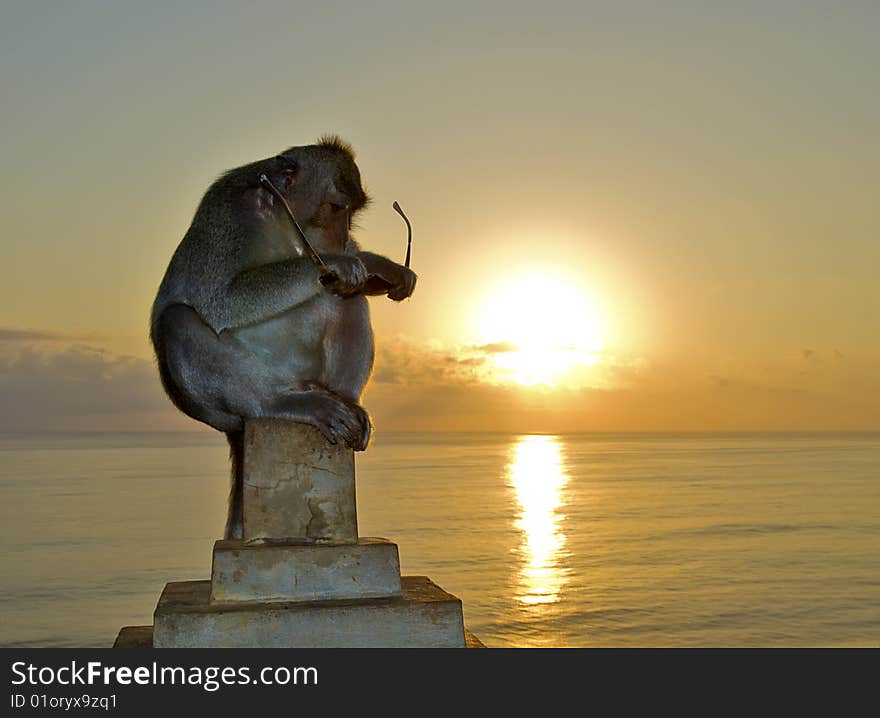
(242, 326)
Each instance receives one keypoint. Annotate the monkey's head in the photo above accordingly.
(324, 189)
(320, 182)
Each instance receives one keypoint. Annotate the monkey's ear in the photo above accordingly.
(287, 172)
(288, 178)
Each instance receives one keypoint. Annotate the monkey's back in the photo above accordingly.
(196, 275)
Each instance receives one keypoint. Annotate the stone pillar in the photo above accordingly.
(298, 488)
(301, 577)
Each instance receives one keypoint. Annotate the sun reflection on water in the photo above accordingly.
(537, 476)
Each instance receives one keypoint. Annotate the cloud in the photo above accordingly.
(22, 335)
(495, 348)
(77, 387)
(405, 362)
(62, 385)
(441, 391)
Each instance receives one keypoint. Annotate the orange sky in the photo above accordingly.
(695, 187)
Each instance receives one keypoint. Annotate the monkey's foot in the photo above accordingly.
(337, 419)
(366, 425)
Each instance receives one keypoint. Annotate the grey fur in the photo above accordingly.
(241, 325)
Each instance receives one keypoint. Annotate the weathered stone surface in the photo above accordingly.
(471, 641)
(134, 637)
(142, 637)
(424, 616)
(297, 486)
(285, 572)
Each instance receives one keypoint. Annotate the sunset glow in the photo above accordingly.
(538, 479)
(538, 329)
(620, 223)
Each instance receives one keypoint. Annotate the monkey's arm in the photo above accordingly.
(263, 292)
(387, 277)
(260, 293)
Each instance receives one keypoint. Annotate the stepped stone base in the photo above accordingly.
(424, 616)
(142, 637)
(300, 577)
(294, 572)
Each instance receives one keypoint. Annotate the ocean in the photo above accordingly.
(568, 540)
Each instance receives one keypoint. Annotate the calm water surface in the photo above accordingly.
(575, 540)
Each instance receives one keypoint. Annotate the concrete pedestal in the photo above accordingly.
(424, 616)
(284, 572)
(142, 637)
(298, 488)
(300, 577)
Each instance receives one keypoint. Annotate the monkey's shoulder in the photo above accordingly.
(266, 247)
(239, 247)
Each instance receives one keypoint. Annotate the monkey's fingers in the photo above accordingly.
(405, 287)
(340, 427)
(328, 278)
(377, 285)
(347, 432)
(328, 431)
(346, 423)
(350, 433)
(365, 437)
(347, 284)
(366, 428)
(350, 422)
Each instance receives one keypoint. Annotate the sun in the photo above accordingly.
(536, 330)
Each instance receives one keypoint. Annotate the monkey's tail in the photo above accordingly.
(235, 517)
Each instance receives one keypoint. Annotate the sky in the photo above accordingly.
(628, 216)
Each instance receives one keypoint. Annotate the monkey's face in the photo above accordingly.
(331, 222)
(324, 192)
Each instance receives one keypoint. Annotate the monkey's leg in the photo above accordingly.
(217, 381)
(213, 381)
(348, 358)
(201, 374)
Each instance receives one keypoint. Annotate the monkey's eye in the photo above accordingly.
(337, 207)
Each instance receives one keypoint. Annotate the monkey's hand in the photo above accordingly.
(405, 285)
(387, 277)
(351, 274)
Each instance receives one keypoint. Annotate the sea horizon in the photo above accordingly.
(422, 432)
(587, 539)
